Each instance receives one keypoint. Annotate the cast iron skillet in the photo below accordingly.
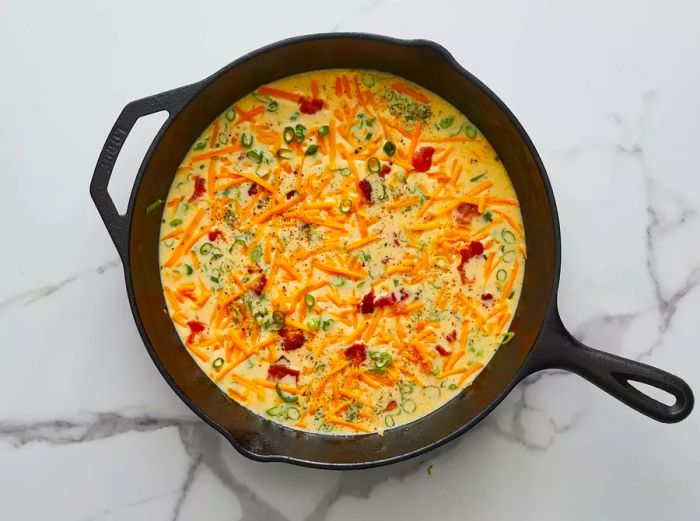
(541, 341)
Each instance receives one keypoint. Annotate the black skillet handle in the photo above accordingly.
(171, 101)
(557, 349)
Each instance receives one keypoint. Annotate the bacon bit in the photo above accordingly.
(253, 189)
(276, 372)
(465, 212)
(367, 303)
(291, 194)
(195, 328)
(390, 299)
(215, 234)
(486, 296)
(423, 159)
(391, 405)
(199, 188)
(260, 286)
(442, 351)
(475, 248)
(451, 337)
(292, 338)
(310, 105)
(396, 240)
(366, 190)
(386, 169)
(356, 353)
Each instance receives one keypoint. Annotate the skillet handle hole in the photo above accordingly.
(130, 157)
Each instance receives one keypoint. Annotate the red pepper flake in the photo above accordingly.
(292, 338)
(253, 189)
(423, 159)
(465, 212)
(366, 190)
(451, 337)
(391, 405)
(215, 234)
(276, 372)
(386, 169)
(260, 286)
(195, 328)
(486, 296)
(291, 194)
(356, 353)
(367, 303)
(310, 105)
(199, 188)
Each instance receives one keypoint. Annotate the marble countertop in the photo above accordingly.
(90, 431)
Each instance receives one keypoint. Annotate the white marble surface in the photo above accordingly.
(88, 429)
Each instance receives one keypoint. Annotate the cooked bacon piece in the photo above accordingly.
(366, 190)
(199, 188)
(356, 353)
(215, 234)
(423, 159)
(451, 337)
(465, 212)
(310, 105)
(260, 286)
(277, 372)
(391, 405)
(442, 351)
(367, 303)
(195, 328)
(474, 249)
(292, 338)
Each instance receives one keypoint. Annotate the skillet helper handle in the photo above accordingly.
(613, 374)
(117, 225)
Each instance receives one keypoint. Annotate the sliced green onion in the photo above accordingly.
(277, 410)
(254, 155)
(342, 171)
(368, 80)
(509, 256)
(200, 146)
(219, 362)
(310, 300)
(488, 217)
(384, 192)
(293, 413)
(278, 319)
(345, 206)
(206, 248)
(369, 136)
(507, 337)
(231, 115)
(470, 131)
(447, 122)
(381, 360)
(273, 106)
(501, 275)
(389, 148)
(285, 397)
(452, 387)
(285, 153)
(508, 236)
(288, 134)
(247, 140)
(175, 222)
(313, 323)
(339, 282)
(311, 150)
(256, 254)
(326, 323)
(431, 391)
(237, 241)
(214, 279)
(389, 420)
(155, 204)
(373, 165)
(299, 133)
(408, 406)
(476, 178)
(325, 129)
(189, 269)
